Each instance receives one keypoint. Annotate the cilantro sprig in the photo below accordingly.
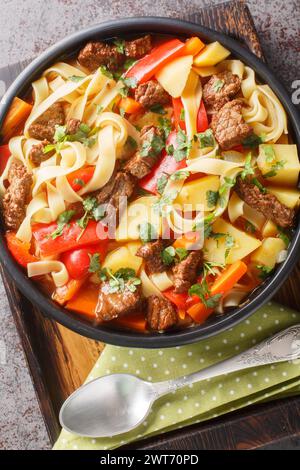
(172, 255)
(62, 221)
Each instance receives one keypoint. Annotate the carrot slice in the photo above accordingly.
(135, 322)
(193, 46)
(223, 284)
(15, 118)
(85, 301)
(65, 293)
(129, 105)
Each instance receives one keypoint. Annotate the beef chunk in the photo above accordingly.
(228, 125)
(161, 314)
(17, 194)
(95, 54)
(151, 252)
(267, 203)
(145, 158)
(114, 305)
(121, 185)
(37, 155)
(44, 127)
(185, 272)
(72, 126)
(220, 89)
(137, 48)
(151, 93)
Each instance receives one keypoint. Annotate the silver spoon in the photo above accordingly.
(117, 403)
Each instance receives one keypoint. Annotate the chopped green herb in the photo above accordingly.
(153, 146)
(229, 243)
(79, 181)
(257, 183)
(180, 175)
(181, 253)
(158, 109)
(165, 200)
(249, 227)
(161, 183)
(212, 198)
(147, 232)
(183, 146)
(131, 142)
(99, 108)
(63, 219)
(122, 112)
(124, 278)
(128, 82)
(206, 139)
(210, 267)
(218, 85)
(284, 236)
(182, 115)
(248, 169)
(269, 153)
(129, 63)
(104, 70)
(264, 271)
(76, 78)
(168, 255)
(202, 291)
(253, 141)
(274, 169)
(99, 212)
(224, 190)
(165, 125)
(120, 45)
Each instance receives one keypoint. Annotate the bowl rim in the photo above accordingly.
(158, 25)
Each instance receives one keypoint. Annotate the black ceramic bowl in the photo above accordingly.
(215, 324)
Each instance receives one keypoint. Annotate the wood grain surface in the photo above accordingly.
(59, 360)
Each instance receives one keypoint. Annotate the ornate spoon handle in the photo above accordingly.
(284, 346)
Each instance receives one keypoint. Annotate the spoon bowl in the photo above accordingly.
(106, 406)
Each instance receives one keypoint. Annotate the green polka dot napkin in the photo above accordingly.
(207, 399)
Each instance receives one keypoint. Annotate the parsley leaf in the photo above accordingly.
(99, 108)
(269, 153)
(212, 198)
(180, 175)
(129, 63)
(181, 253)
(62, 220)
(168, 255)
(206, 139)
(209, 267)
(274, 169)
(161, 183)
(284, 236)
(131, 142)
(225, 187)
(158, 109)
(252, 141)
(152, 147)
(120, 45)
(122, 279)
(76, 78)
(95, 266)
(229, 243)
(257, 183)
(165, 200)
(248, 169)
(104, 70)
(249, 227)
(264, 271)
(147, 232)
(128, 82)
(182, 115)
(183, 146)
(218, 85)
(79, 181)
(202, 291)
(165, 125)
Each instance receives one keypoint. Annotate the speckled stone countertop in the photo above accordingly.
(27, 27)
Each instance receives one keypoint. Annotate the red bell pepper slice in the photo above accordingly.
(79, 178)
(177, 299)
(202, 120)
(149, 65)
(167, 165)
(77, 261)
(72, 237)
(4, 156)
(178, 108)
(19, 249)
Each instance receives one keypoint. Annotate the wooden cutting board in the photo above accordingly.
(60, 360)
